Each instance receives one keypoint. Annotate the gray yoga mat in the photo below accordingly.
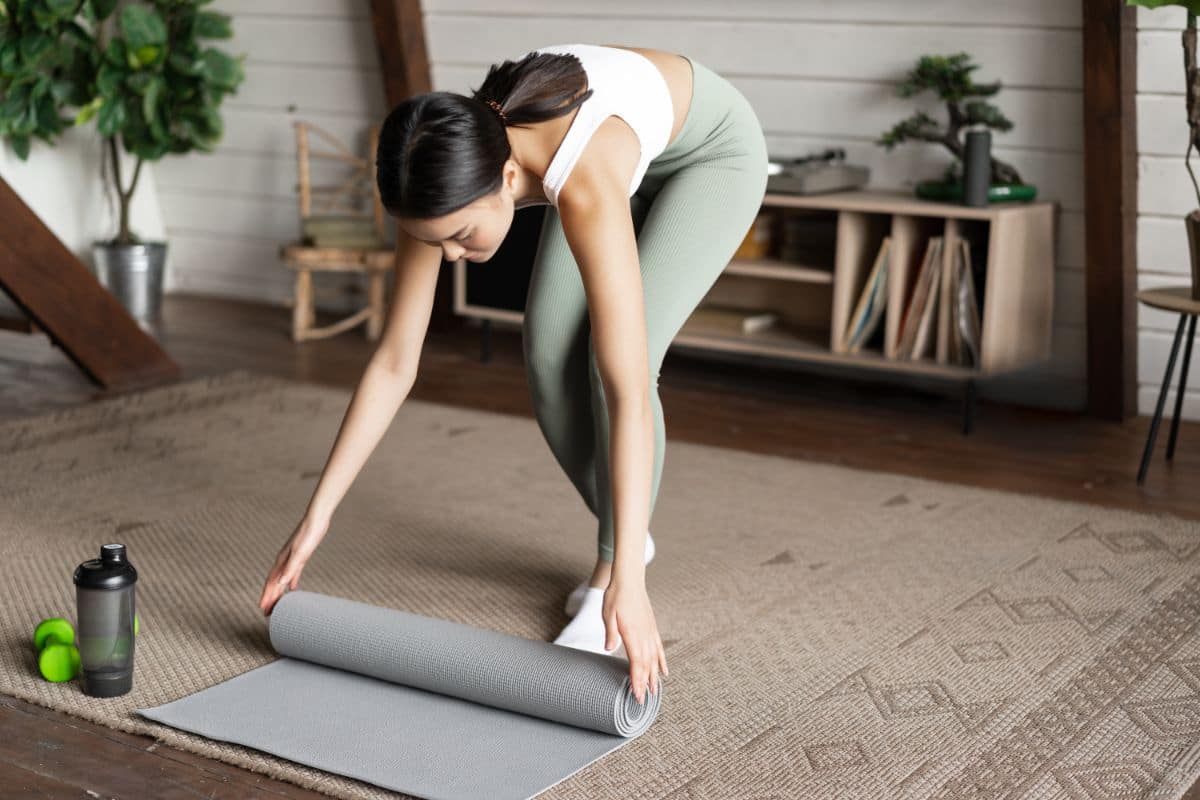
(426, 706)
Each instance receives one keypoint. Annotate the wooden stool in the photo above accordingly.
(369, 252)
(1179, 300)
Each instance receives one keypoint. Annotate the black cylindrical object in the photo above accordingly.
(977, 167)
(104, 592)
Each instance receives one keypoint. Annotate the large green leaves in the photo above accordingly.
(145, 36)
(223, 71)
(112, 116)
(47, 62)
(213, 25)
(49, 13)
(143, 26)
(156, 83)
(101, 9)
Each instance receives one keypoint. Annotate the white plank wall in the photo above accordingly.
(819, 73)
(1165, 195)
(822, 73)
(228, 211)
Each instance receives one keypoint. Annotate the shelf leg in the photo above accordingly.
(968, 406)
(1162, 397)
(485, 341)
(1183, 371)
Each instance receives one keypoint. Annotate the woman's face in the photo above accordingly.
(473, 232)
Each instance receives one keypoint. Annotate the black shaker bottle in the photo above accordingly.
(977, 167)
(104, 594)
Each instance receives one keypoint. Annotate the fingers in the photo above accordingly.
(281, 576)
(267, 600)
(644, 650)
(611, 633)
(289, 563)
(652, 657)
(643, 673)
(271, 594)
(643, 646)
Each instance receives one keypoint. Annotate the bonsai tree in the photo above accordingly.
(950, 77)
(144, 74)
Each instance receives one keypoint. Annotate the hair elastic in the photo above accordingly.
(496, 107)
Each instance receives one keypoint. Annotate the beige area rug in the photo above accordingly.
(831, 633)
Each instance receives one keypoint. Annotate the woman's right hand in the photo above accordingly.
(291, 560)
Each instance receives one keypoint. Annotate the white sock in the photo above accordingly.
(576, 596)
(586, 630)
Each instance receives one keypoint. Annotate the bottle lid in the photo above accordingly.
(111, 570)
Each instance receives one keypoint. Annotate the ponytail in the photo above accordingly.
(538, 87)
(440, 151)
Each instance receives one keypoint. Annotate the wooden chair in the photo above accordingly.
(1184, 301)
(338, 238)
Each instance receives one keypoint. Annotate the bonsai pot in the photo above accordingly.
(952, 191)
(134, 275)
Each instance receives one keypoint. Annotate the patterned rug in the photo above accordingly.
(831, 633)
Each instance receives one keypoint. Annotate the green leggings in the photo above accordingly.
(693, 208)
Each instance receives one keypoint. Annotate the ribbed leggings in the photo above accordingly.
(693, 208)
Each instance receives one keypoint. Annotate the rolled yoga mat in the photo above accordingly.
(420, 705)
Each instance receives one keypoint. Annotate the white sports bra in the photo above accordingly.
(624, 84)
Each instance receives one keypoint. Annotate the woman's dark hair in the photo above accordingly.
(440, 151)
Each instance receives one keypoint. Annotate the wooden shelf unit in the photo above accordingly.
(814, 301)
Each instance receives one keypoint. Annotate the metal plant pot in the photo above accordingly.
(1192, 221)
(134, 275)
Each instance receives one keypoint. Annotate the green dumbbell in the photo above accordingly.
(58, 658)
(59, 662)
(54, 628)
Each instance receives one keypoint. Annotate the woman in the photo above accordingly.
(654, 168)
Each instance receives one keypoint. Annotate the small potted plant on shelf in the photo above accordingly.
(149, 81)
(950, 77)
(1192, 89)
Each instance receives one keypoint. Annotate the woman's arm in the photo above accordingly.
(598, 226)
(601, 236)
(385, 384)
(389, 374)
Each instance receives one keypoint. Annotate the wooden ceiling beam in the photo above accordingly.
(400, 39)
(1110, 206)
(63, 298)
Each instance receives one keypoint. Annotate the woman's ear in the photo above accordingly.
(511, 172)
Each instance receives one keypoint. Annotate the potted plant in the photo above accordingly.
(146, 76)
(1192, 83)
(950, 77)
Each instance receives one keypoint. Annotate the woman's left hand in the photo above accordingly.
(627, 613)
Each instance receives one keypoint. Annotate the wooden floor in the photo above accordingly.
(914, 430)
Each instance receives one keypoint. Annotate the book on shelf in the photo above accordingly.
(920, 307)
(906, 327)
(966, 310)
(911, 271)
(926, 332)
(956, 315)
(958, 354)
(715, 318)
(871, 303)
(943, 339)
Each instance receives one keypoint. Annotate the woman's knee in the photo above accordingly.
(555, 363)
